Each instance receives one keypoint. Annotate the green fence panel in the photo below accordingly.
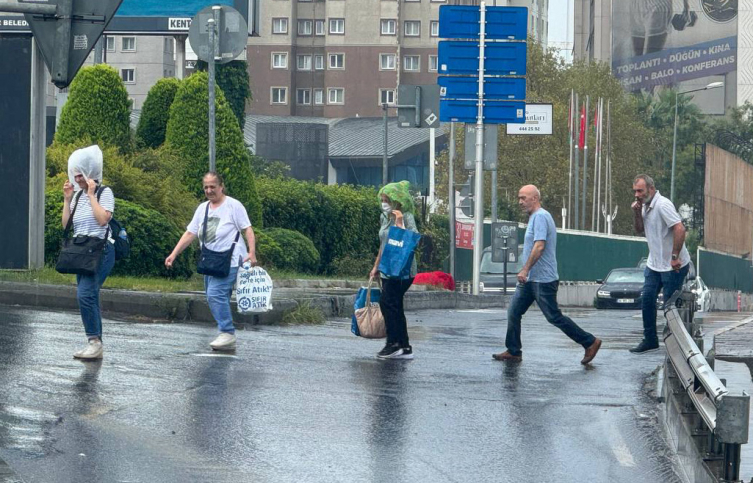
(724, 271)
(581, 256)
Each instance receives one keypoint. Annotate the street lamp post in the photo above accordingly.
(713, 85)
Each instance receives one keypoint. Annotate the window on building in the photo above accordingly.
(279, 95)
(386, 96)
(303, 62)
(336, 61)
(387, 61)
(279, 60)
(412, 28)
(279, 25)
(337, 26)
(433, 63)
(411, 63)
(303, 96)
(168, 45)
(389, 26)
(128, 44)
(319, 96)
(319, 24)
(335, 95)
(128, 76)
(319, 62)
(110, 44)
(305, 27)
(434, 28)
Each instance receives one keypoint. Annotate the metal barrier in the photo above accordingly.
(724, 416)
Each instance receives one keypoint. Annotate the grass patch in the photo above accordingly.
(48, 275)
(303, 314)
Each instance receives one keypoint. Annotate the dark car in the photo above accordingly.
(621, 289)
(492, 277)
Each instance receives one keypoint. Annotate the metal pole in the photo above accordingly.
(15, 7)
(594, 213)
(62, 40)
(504, 264)
(385, 174)
(478, 245)
(731, 462)
(571, 122)
(98, 50)
(213, 47)
(451, 199)
(599, 147)
(674, 156)
(432, 173)
(180, 56)
(494, 195)
(576, 173)
(37, 171)
(585, 168)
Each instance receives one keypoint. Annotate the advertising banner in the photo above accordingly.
(665, 42)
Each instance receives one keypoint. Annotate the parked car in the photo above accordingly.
(492, 276)
(701, 291)
(621, 289)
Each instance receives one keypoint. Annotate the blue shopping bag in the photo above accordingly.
(361, 303)
(397, 255)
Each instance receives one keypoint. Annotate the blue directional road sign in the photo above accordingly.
(499, 88)
(462, 22)
(495, 112)
(459, 57)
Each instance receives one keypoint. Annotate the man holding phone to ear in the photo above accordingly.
(656, 218)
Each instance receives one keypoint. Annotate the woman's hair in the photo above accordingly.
(216, 175)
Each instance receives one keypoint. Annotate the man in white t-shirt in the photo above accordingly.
(668, 260)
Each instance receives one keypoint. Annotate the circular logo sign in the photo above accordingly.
(721, 11)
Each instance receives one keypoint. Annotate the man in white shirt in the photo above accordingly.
(668, 260)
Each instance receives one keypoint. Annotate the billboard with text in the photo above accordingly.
(666, 42)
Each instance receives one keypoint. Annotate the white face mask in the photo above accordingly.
(386, 207)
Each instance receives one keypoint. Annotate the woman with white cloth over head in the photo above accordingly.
(91, 215)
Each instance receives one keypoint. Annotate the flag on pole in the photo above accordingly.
(582, 134)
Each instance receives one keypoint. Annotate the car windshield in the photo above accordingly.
(488, 266)
(625, 276)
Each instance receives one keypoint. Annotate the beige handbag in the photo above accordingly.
(369, 318)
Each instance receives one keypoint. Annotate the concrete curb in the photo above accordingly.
(193, 306)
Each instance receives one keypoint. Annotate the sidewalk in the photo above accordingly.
(334, 301)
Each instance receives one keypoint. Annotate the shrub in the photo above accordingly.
(152, 239)
(159, 189)
(187, 136)
(434, 246)
(340, 220)
(353, 265)
(232, 78)
(97, 109)
(267, 249)
(150, 132)
(298, 253)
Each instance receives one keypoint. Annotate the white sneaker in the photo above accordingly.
(224, 341)
(93, 350)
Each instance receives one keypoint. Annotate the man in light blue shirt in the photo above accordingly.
(538, 281)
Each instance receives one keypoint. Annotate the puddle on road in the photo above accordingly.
(228, 356)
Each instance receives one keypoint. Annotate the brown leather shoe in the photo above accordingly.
(591, 352)
(506, 356)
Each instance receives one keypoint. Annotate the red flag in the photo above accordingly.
(582, 136)
(596, 118)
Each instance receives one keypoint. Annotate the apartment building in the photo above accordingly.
(345, 58)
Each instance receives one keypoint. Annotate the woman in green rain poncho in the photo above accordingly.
(397, 210)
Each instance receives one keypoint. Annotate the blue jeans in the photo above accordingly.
(654, 281)
(545, 294)
(87, 293)
(218, 297)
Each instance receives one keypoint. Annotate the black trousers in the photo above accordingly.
(391, 304)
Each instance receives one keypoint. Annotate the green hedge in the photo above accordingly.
(298, 253)
(187, 136)
(152, 237)
(97, 109)
(232, 78)
(150, 132)
(340, 220)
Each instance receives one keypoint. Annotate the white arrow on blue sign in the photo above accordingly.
(462, 22)
(495, 112)
(460, 57)
(495, 88)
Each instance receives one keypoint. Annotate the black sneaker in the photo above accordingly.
(645, 347)
(390, 349)
(407, 353)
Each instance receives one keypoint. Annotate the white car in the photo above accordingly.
(702, 294)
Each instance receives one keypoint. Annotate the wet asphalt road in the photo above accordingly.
(312, 404)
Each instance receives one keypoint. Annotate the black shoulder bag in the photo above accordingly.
(81, 254)
(215, 264)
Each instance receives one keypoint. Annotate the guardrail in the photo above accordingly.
(723, 425)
